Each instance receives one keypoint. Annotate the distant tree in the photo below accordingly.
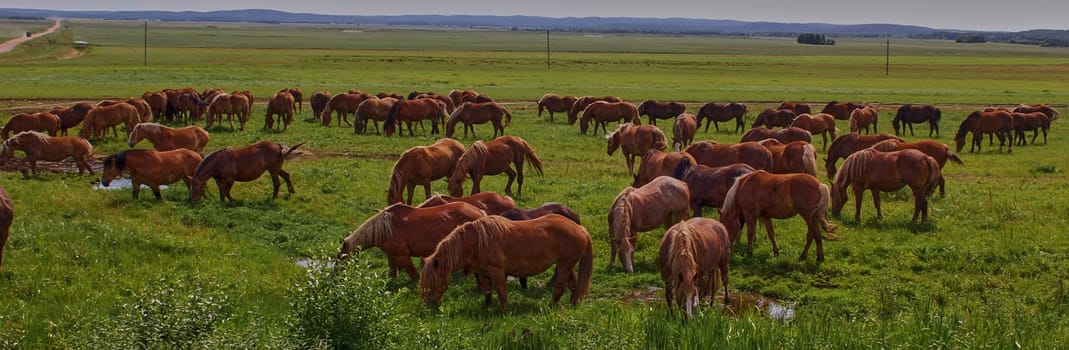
(814, 39)
(970, 38)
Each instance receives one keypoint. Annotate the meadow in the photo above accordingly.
(96, 269)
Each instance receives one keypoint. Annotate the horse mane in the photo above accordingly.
(544, 97)
(376, 229)
(660, 141)
(729, 198)
(455, 116)
(809, 159)
(855, 166)
(966, 124)
(619, 128)
(436, 197)
(888, 145)
(620, 215)
(486, 229)
(211, 157)
(118, 159)
(467, 161)
(32, 135)
(680, 256)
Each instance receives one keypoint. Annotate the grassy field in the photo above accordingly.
(13, 28)
(91, 269)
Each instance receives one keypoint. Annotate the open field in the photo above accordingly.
(91, 269)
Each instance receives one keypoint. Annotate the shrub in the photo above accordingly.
(343, 307)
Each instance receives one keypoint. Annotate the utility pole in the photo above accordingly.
(547, 48)
(887, 65)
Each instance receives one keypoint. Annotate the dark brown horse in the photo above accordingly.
(656, 163)
(555, 104)
(775, 118)
(722, 112)
(694, 253)
(164, 138)
(343, 105)
(490, 202)
(71, 117)
(841, 110)
(1034, 121)
(410, 111)
(491, 158)
(797, 107)
(582, 102)
(243, 164)
(764, 196)
(392, 95)
(601, 113)
(845, 145)
(38, 146)
(282, 105)
(7, 215)
(449, 105)
(151, 168)
(786, 135)
(144, 110)
(41, 122)
(821, 123)
(421, 165)
(870, 169)
(795, 157)
(709, 185)
(910, 114)
(661, 202)
(374, 110)
(709, 153)
(660, 110)
(861, 118)
(157, 101)
(319, 101)
(683, 131)
(999, 123)
(1051, 113)
(460, 96)
(634, 140)
(940, 152)
(542, 210)
(471, 113)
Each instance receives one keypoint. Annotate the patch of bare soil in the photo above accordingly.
(64, 166)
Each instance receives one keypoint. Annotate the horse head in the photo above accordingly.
(113, 167)
(433, 281)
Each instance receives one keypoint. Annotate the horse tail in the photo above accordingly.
(821, 214)
(953, 157)
(532, 157)
(809, 159)
(391, 118)
(854, 122)
(292, 152)
(508, 116)
(396, 182)
(681, 168)
(586, 268)
(660, 142)
(934, 176)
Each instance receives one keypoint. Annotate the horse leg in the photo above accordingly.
(513, 177)
(482, 283)
(751, 234)
(410, 188)
(976, 141)
(477, 180)
(224, 189)
(630, 163)
(392, 263)
(498, 279)
(406, 263)
(613, 247)
(156, 191)
(285, 176)
(275, 184)
(771, 234)
(876, 203)
(136, 185)
(859, 193)
(561, 282)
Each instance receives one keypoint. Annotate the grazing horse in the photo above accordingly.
(1051, 113)
(392, 95)
(709, 153)
(144, 110)
(684, 129)
(708, 185)
(190, 106)
(282, 105)
(862, 118)
(693, 254)
(845, 145)
(157, 101)
(460, 96)
(71, 117)
(402, 232)
(602, 113)
(243, 164)
(656, 163)
(786, 135)
(797, 107)
(842, 110)
(634, 140)
(410, 111)
(298, 97)
(421, 165)
(722, 112)
(152, 168)
(229, 104)
(820, 123)
(662, 202)
(542, 210)
(555, 104)
(1034, 121)
(490, 202)
(793, 157)
(248, 97)
(940, 152)
(471, 113)
(164, 138)
(100, 118)
(660, 110)
(775, 118)
(494, 247)
(449, 105)
(38, 146)
(41, 122)
(7, 215)
(343, 105)
(582, 102)
(373, 109)
(764, 196)
(887, 172)
(910, 114)
(319, 101)
(491, 158)
(979, 123)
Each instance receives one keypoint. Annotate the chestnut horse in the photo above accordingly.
(471, 113)
(392, 95)
(693, 254)
(683, 131)
(449, 105)
(282, 105)
(909, 114)
(841, 110)
(402, 232)
(144, 110)
(796, 107)
(602, 113)
(940, 152)
(542, 210)
(999, 123)
(708, 185)
(494, 247)
(582, 102)
(656, 163)
(373, 109)
(821, 123)
(722, 112)
(319, 102)
(491, 158)
(343, 105)
(421, 165)
(164, 138)
(862, 118)
(490, 202)
(1034, 121)
(151, 168)
(764, 196)
(709, 153)
(230, 105)
(775, 118)
(71, 117)
(785, 135)
(38, 146)
(1051, 113)
(870, 169)
(660, 110)
(7, 215)
(41, 122)
(460, 96)
(793, 157)
(157, 102)
(662, 202)
(555, 104)
(845, 145)
(634, 140)
(298, 97)
(243, 164)
(409, 111)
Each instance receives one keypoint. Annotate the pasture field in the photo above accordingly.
(13, 28)
(91, 269)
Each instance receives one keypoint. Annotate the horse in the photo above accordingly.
(683, 131)
(582, 102)
(343, 105)
(402, 232)
(1034, 121)
(298, 97)
(229, 104)
(842, 110)
(157, 101)
(494, 247)
(793, 157)
(845, 145)
(909, 114)
(547, 208)
(7, 215)
(243, 164)
(693, 254)
(38, 146)
(471, 113)
(282, 105)
(821, 123)
(460, 96)
(796, 107)
(662, 202)
(722, 112)
(862, 118)
(144, 110)
(392, 95)
(319, 101)
(491, 158)
(41, 122)
(708, 185)
(870, 169)
(410, 111)
(979, 123)
(660, 110)
(373, 109)
(164, 138)
(633, 141)
(70, 117)
(421, 165)
(190, 106)
(940, 152)
(656, 163)
(152, 168)
(709, 153)
(785, 135)
(764, 196)
(248, 97)
(555, 104)
(1051, 113)
(602, 113)
(774, 118)
(449, 105)
(490, 202)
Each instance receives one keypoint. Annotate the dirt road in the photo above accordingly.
(9, 45)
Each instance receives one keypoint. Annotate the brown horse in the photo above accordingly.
(1051, 113)
(402, 232)
(887, 172)
(795, 157)
(189, 106)
(542, 210)
(845, 145)
(41, 121)
(555, 104)
(821, 123)
(151, 168)
(708, 185)
(72, 116)
(842, 110)
(248, 98)
(392, 95)
(583, 102)
(660, 110)
(910, 114)
(282, 105)
(409, 111)
(38, 146)
(683, 131)
(319, 102)
(494, 247)
(764, 196)
(374, 110)
(722, 112)
(662, 202)
(230, 105)
(298, 97)
(460, 96)
(601, 113)
(243, 164)
(786, 135)
(634, 140)
(693, 254)
(343, 105)
(940, 152)
(490, 202)
(471, 113)
(1034, 121)
(862, 118)
(449, 105)
(157, 101)
(656, 163)
(709, 153)
(7, 215)
(421, 165)
(999, 123)
(775, 118)
(164, 138)
(144, 110)
(491, 158)
(796, 107)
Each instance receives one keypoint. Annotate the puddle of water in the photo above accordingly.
(122, 184)
(741, 302)
(315, 264)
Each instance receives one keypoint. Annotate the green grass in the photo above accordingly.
(14, 28)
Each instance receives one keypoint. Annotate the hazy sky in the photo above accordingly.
(949, 14)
